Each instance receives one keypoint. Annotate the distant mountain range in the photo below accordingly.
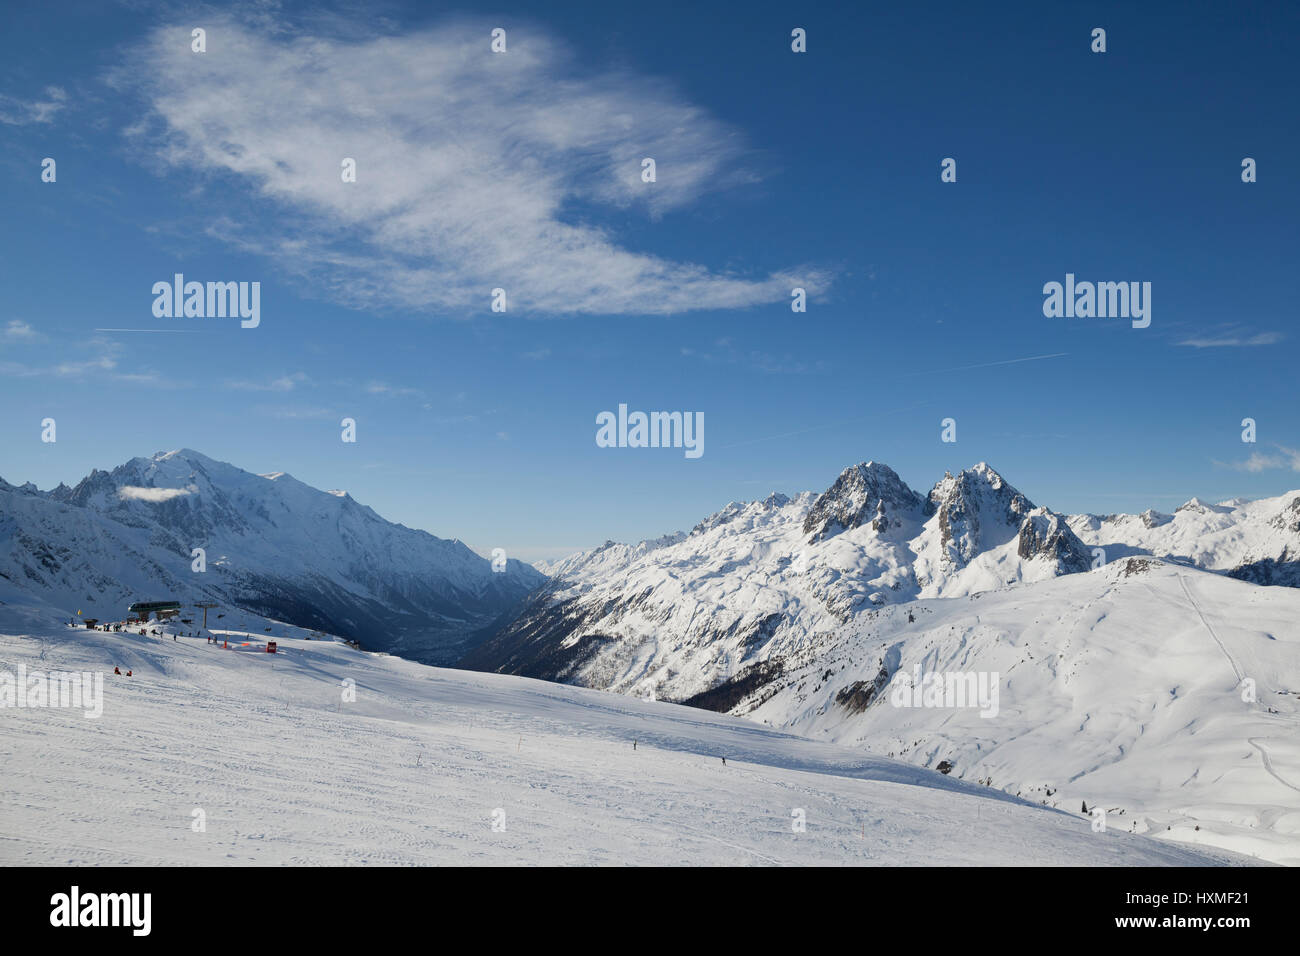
(751, 585)
(274, 546)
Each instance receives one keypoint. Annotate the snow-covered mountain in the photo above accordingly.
(1257, 541)
(763, 577)
(802, 611)
(273, 546)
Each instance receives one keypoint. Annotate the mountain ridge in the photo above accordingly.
(272, 545)
(813, 562)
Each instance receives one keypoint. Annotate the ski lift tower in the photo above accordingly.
(205, 605)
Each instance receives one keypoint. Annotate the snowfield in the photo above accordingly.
(1170, 697)
(418, 767)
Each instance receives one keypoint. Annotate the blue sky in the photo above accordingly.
(522, 171)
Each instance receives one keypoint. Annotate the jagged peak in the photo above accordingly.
(981, 471)
(865, 492)
(1196, 505)
(965, 485)
(1154, 519)
(735, 509)
(776, 500)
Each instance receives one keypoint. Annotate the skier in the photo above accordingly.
(117, 671)
(128, 674)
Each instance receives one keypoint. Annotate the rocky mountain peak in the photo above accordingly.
(970, 502)
(866, 492)
(1045, 534)
(1288, 519)
(1154, 519)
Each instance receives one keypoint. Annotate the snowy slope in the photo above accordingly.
(798, 611)
(414, 770)
(273, 545)
(1121, 688)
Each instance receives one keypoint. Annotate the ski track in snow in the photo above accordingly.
(1253, 741)
(1268, 764)
(1182, 579)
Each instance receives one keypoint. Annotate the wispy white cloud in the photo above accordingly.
(470, 166)
(102, 358)
(1258, 461)
(96, 359)
(18, 331)
(150, 378)
(1234, 340)
(724, 352)
(19, 112)
(395, 391)
(285, 383)
(138, 493)
(294, 411)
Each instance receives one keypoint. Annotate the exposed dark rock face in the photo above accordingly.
(1289, 518)
(975, 508)
(869, 492)
(731, 694)
(1282, 571)
(1046, 535)
(1134, 566)
(760, 631)
(1154, 519)
(857, 697)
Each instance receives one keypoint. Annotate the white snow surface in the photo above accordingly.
(413, 771)
(1122, 688)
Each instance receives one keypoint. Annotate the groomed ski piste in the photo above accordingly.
(229, 755)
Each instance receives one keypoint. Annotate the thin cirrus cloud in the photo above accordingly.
(1231, 340)
(469, 167)
(285, 383)
(97, 360)
(395, 391)
(15, 111)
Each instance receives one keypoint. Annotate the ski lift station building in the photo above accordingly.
(161, 609)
